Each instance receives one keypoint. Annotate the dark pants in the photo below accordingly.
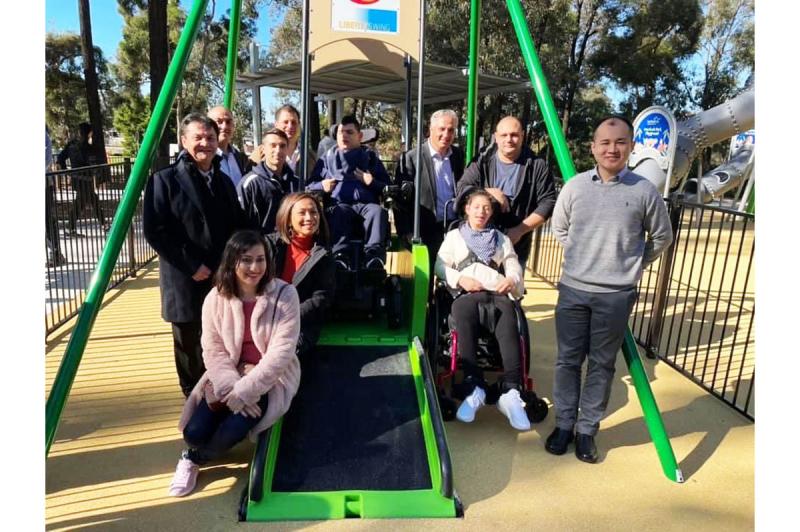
(344, 219)
(588, 324)
(467, 315)
(209, 434)
(188, 354)
(51, 222)
(84, 194)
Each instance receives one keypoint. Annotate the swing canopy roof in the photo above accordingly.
(365, 80)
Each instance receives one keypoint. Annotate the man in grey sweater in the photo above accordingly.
(611, 223)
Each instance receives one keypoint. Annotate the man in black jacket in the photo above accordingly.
(520, 183)
(190, 211)
(262, 190)
(442, 167)
(234, 163)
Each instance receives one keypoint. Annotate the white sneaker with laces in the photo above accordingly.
(470, 405)
(513, 407)
(185, 478)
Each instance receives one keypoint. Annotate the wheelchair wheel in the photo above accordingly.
(535, 407)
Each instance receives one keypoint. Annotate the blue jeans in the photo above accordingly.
(209, 434)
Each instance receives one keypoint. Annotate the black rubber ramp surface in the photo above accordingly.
(353, 425)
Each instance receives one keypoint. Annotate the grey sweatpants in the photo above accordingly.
(588, 324)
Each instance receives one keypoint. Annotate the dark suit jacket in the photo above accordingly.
(188, 225)
(406, 171)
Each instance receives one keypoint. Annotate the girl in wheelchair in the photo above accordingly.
(478, 262)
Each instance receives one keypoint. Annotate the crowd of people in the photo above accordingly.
(248, 263)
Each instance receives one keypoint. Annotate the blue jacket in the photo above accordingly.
(339, 165)
(260, 193)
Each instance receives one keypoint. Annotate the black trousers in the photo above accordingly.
(188, 354)
(84, 194)
(51, 222)
(467, 314)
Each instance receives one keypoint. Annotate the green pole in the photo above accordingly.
(472, 90)
(233, 48)
(541, 90)
(652, 416)
(130, 198)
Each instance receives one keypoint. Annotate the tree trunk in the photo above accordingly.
(90, 76)
(157, 26)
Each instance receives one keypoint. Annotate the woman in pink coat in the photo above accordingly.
(251, 322)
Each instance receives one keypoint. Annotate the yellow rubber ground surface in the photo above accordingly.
(118, 443)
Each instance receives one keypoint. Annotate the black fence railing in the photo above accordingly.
(696, 302)
(79, 207)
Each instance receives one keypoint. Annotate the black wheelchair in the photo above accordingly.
(369, 292)
(443, 351)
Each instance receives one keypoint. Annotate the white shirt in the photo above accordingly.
(230, 166)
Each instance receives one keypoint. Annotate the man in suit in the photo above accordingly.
(234, 163)
(442, 167)
(190, 211)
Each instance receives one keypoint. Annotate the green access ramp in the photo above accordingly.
(364, 437)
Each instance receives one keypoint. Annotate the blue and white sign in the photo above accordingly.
(742, 139)
(655, 137)
(366, 16)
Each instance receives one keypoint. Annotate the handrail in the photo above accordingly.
(445, 463)
(130, 197)
(649, 407)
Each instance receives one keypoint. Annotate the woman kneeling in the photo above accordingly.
(251, 323)
(480, 261)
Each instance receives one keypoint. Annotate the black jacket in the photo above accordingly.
(244, 162)
(535, 191)
(260, 194)
(315, 282)
(188, 224)
(406, 171)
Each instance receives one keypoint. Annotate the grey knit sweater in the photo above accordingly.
(602, 227)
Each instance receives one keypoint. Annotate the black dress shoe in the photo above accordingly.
(585, 449)
(558, 441)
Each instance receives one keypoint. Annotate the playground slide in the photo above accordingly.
(364, 436)
(723, 178)
(699, 131)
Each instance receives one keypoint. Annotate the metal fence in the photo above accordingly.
(79, 207)
(696, 302)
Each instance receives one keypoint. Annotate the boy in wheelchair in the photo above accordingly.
(352, 178)
(479, 266)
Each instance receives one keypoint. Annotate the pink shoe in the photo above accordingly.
(185, 478)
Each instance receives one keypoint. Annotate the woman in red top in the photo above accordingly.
(300, 247)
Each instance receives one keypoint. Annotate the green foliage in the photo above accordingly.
(130, 119)
(65, 91)
(644, 47)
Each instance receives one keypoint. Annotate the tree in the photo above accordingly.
(65, 92)
(645, 47)
(90, 79)
(203, 82)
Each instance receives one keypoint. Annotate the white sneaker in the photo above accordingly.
(513, 407)
(185, 478)
(470, 405)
